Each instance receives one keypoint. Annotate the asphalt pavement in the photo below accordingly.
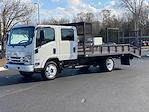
(126, 89)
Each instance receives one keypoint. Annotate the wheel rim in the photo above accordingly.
(109, 64)
(51, 71)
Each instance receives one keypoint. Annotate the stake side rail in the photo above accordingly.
(105, 50)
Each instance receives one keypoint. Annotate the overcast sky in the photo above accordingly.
(69, 8)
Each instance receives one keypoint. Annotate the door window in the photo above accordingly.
(67, 34)
(49, 35)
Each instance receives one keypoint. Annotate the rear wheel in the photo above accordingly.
(108, 65)
(50, 71)
(26, 74)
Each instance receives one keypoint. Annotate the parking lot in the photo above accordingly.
(126, 89)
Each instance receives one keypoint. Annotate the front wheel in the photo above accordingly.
(108, 65)
(50, 71)
(26, 74)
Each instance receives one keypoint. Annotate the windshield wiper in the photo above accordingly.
(23, 41)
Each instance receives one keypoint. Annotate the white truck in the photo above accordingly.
(51, 48)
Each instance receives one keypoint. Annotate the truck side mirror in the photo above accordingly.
(42, 36)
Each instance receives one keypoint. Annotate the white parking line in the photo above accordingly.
(2, 69)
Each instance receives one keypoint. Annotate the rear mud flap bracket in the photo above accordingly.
(125, 60)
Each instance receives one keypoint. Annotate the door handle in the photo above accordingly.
(54, 51)
(74, 49)
(36, 51)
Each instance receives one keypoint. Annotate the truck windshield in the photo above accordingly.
(21, 36)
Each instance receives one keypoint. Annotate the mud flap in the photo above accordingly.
(125, 60)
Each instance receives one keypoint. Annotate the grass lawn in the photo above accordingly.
(2, 62)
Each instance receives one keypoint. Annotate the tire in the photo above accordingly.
(107, 65)
(50, 71)
(26, 74)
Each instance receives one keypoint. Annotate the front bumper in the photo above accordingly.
(23, 68)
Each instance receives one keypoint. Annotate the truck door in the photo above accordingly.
(68, 44)
(45, 47)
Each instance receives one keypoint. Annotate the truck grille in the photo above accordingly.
(15, 57)
(16, 60)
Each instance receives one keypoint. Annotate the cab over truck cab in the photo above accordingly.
(50, 48)
(41, 48)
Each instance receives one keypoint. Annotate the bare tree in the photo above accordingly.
(64, 21)
(106, 17)
(84, 17)
(13, 12)
(109, 19)
(55, 21)
(49, 21)
(80, 17)
(138, 8)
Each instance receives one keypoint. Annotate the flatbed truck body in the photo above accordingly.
(51, 48)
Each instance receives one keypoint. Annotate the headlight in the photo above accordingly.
(7, 58)
(8, 54)
(27, 59)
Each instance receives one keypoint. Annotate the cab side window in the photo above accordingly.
(49, 35)
(67, 34)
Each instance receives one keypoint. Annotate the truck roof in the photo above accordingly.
(20, 26)
(61, 26)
